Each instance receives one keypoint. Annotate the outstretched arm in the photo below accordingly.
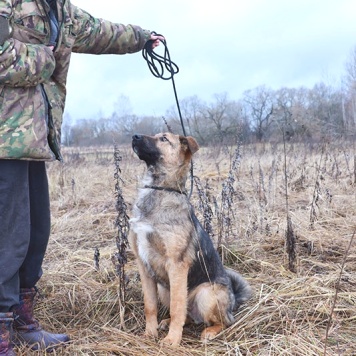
(98, 36)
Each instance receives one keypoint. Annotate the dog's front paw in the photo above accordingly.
(172, 340)
(151, 331)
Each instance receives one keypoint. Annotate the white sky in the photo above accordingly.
(220, 46)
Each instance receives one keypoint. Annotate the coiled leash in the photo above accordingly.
(158, 64)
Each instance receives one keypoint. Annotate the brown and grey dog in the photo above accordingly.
(176, 258)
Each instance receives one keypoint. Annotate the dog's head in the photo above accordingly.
(164, 149)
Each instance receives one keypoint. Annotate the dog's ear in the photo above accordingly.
(190, 142)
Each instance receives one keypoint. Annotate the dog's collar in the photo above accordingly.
(165, 188)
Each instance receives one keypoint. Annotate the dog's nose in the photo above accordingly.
(137, 137)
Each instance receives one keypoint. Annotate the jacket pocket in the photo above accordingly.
(23, 130)
(29, 24)
(30, 17)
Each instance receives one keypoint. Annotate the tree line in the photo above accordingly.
(323, 112)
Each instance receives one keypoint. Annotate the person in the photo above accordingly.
(37, 38)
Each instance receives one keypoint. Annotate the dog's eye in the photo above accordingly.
(164, 138)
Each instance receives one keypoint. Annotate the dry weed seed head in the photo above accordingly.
(228, 193)
(169, 128)
(290, 237)
(262, 199)
(96, 259)
(74, 195)
(317, 190)
(291, 246)
(122, 223)
(204, 206)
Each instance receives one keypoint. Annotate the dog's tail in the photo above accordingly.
(241, 289)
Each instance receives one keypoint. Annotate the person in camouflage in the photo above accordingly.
(37, 38)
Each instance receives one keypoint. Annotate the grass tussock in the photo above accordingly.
(311, 311)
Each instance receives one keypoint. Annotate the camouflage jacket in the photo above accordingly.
(31, 73)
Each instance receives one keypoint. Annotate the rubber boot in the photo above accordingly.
(6, 321)
(27, 329)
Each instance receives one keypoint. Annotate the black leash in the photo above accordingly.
(158, 64)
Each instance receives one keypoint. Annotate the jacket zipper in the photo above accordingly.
(54, 146)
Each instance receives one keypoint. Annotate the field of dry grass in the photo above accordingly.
(311, 311)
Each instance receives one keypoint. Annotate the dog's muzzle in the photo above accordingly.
(135, 140)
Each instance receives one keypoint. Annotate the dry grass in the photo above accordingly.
(289, 314)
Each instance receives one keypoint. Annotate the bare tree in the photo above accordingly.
(325, 109)
(222, 117)
(290, 112)
(260, 106)
(191, 110)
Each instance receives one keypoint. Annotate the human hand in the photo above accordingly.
(156, 39)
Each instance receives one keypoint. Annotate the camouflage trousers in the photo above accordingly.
(24, 227)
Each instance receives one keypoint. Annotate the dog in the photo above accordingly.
(176, 258)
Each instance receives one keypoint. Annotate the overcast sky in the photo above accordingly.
(220, 46)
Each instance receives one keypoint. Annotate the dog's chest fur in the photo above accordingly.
(161, 231)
